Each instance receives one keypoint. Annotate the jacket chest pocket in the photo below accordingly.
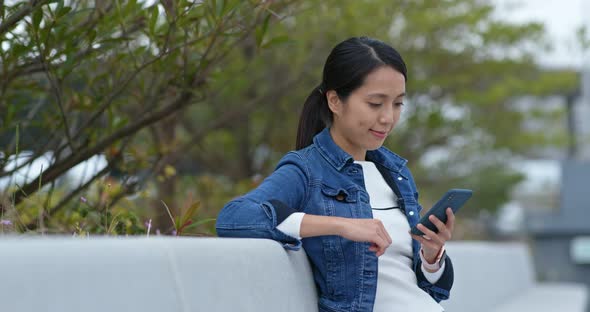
(339, 201)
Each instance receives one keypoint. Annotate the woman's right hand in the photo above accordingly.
(366, 230)
(359, 230)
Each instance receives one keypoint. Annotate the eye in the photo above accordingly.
(399, 104)
(375, 105)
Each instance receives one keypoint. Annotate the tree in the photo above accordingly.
(214, 89)
(81, 78)
(467, 68)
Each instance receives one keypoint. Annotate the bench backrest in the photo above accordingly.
(155, 274)
(487, 273)
(213, 274)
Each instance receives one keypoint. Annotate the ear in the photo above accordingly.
(334, 102)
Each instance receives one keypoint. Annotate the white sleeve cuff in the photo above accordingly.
(292, 225)
(433, 277)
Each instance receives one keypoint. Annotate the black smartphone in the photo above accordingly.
(454, 198)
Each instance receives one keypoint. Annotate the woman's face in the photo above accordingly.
(370, 113)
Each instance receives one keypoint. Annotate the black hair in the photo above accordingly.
(346, 68)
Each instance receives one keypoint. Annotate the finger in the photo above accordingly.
(450, 219)
(383, 233)
(423, 241)
(442, 228)
(381, 243)
(426, 244)
(376, 249)
(387, 237)
(431, 235)
(385, 245)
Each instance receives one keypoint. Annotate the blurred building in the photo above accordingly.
(583, 116)
(561, 236)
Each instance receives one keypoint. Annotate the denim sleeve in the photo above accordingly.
(257, 213)
(442, 288)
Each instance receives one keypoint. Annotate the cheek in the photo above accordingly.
(358, 117)
(363, 123)
(362, 116)
(367, 119)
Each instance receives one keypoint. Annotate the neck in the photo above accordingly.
(356, 153)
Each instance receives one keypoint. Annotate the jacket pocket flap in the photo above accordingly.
(339, 193)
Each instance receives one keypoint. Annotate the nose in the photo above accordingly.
(387, 115)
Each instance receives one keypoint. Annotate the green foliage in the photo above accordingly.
(199, 99)
(467, 70)
(81, 78)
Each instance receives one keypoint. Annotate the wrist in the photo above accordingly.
(433, 265)
(315, 225)
(339, 225)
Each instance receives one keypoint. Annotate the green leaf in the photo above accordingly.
(261, 31)
(131, 6)
(214, 6)
(230, 5)
(188, 215)
(18, 49)
(220, 8)
(275, 41)
(195, 224)
(37, 17)
(154, 14)
(120, 122)
(63, 11)
(60, 5)
(91, 36)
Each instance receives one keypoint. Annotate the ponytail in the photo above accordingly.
(315, 116)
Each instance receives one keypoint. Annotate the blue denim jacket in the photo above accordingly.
(322, 179)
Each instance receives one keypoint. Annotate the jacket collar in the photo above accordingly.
(338, 158)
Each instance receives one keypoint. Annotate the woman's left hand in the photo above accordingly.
(432, 242)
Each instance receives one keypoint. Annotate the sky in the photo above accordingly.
(561, 19)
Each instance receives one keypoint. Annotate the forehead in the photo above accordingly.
(383, 81)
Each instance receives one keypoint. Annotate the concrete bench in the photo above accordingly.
(499, 277)
(152, 275)
(214, 274)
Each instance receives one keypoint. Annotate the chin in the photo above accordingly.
(374, 146)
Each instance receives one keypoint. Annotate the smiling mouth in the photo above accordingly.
(379, 134)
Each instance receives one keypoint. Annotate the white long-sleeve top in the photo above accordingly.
(397, 288)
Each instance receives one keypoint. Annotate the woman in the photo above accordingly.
(345, 198)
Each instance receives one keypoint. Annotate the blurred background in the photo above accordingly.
(123, 117)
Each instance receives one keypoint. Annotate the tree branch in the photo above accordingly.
(61, 167)
(20, 14)
(185, 98)
(124, 84)
(56, 90)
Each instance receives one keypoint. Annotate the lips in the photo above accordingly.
(379, 134)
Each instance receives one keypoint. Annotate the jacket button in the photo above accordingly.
(399, 178)
(339, 197)
(411, 213)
